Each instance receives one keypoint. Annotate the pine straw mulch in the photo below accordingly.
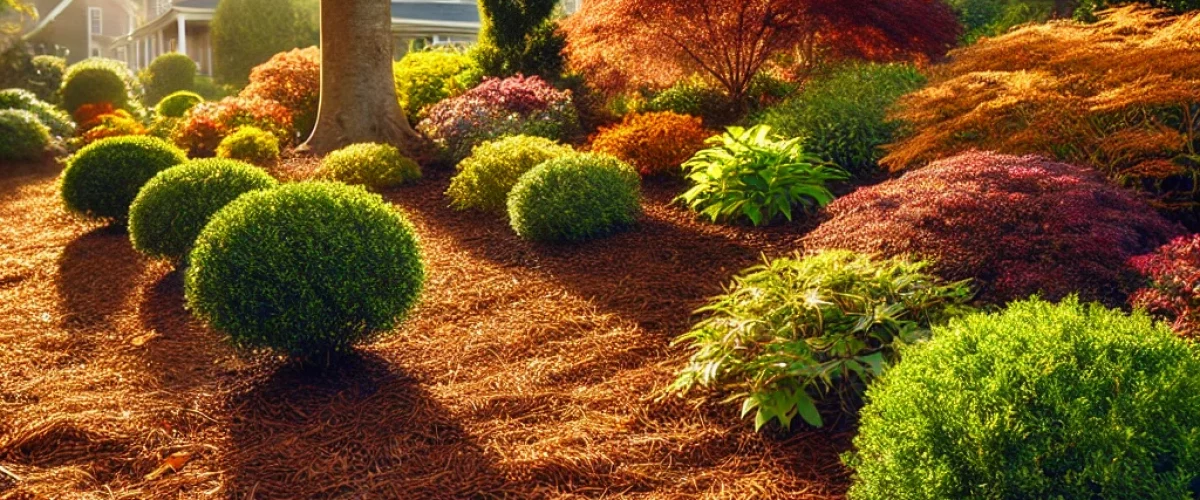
(528, 371)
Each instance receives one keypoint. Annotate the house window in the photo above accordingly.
(95, 21)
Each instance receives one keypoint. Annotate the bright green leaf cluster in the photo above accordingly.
(59, 123)
(98, 80)
(376, 166)
(424, 78)
(485, 178)
(252, 145)
(102, 179)
(177, 104)
(574, 198)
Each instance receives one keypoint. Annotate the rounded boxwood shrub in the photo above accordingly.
(47, 77)
(424, 78)
(59, 123)
(372, 165)
(98, 80)
(102, 179)
(485, 178)
(168, 73)
(22, 136)
(1038, 401)
(171, 209)
(654, 143)
(575, 197)
(337, 267)
(250, 144)
(177, 104)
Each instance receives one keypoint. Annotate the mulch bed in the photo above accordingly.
(528, 371)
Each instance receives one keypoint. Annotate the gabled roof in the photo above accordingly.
(49, 17)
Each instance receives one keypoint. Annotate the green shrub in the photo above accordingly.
(213, 91)
(172, 208)
(575, 197)
(375, 166)
(337, 267)
(1038, 401)
(246, 33)
(794, 330)
(22, 136)
(250, 144)
(748, 173)
(485, 178)
(177, 104)
(47, 77)
(58, 122)
(519, 37)
(99, 80)
(167, 74)
(843, 116)
(692, 96)
(427, 77)
(102, 179)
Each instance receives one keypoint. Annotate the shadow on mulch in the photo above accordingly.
(179, 350)
(47, 167)
(96, 273)
(359, 429)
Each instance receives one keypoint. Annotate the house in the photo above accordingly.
(79, 29)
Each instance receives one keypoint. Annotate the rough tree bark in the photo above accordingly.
(358, 94)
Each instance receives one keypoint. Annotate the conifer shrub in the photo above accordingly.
(169, 73)
(485, 178)
(22, 136)
(424, 78)
(338, 267)
(171, 209)
(574, 198)
(102, 179)
(177, 104)
(99, 80)
(653, 143)
(59, 123)
(1017, 225)
(1038, 401)
(292, 79)
(376, 166)
(252, 145)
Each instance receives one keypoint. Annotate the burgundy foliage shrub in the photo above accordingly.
(1018, 225)
(1173, 292)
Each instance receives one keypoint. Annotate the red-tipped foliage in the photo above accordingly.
(1018, 225)
(293, 79)
(207, 123)
(1173, 292)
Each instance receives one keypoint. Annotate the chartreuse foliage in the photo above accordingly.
(169, 73)
(375, 166)
(1038, 401)
(574, 198)
(308, 269)
(98, 81)
(59, 123)
(102, 179)
(751, 174)
(485, 178)
(424, 78)
(252, 145)
(177, 104)
(792, 331)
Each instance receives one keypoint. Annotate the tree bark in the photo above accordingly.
(358, 93)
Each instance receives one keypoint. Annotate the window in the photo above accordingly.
(95, 21)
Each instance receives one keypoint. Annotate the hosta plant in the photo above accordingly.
(751, 174)
(793, 331)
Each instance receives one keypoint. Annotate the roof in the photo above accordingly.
(439, 12)
(196, 4)
(49, 17)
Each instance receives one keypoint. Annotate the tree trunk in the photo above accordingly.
(358, 93)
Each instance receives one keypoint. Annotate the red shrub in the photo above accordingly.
(115, 124)
(654, 143)
(207, 123)
(292, 79)
(87, 114)
(1173, 292)
(1018, 225)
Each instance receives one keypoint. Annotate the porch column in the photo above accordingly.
(161, 48)
(181, 45)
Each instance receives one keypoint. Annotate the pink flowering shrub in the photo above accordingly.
(206, 124)
(1173, 292)
(1017, 225)
(498, 108)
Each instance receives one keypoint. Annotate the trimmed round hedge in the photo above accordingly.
(250, 144)
(574, 198)
(1038, 401)
(58, 122)
(171, 209)
(102, 179)
(178, 104)
(307, 269)
(98, 80)
(170, 72)
(22, 136)
(372, 165)
(485, 178)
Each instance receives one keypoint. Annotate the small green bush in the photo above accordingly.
(177, 104)
(794, 330)
(171, 209)
(22, 136)
(424, 78)
(375, 166)
(575, 197)
(59, 123)
(99, 80)
(485, 178)
(1038, 401)
(169, 73)
(692, 96)
(47, 77)
(307, 269)
(102, 179)
(250, 144)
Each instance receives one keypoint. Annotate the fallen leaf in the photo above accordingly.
(141, 340)
(173, 463)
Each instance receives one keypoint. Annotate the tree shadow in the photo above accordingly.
(360, 429)
(96, 273)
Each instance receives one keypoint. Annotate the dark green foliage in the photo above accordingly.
(167, 74)
(171, 209)
(519, 37)
(99, 80)
(22, 136)
(246, 33)
(575, 197)
(177, 104)
(1038, 401)
(842, 116)
(307, 269)
(16, 63)
(58, 122)
(47, 77)
(795, 330)
(102, 179)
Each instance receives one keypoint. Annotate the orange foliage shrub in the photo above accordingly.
(1121, 95)
(114, 124)
(206, 124)
(653, 143)
(293, 79)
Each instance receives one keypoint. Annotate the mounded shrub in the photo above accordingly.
(203, 128)
(114, 124)
(485, 178)
(424, 78)
(47, 77)
(653, 143)
(1038, 401)
(170, 210)
(59, 123)
(22, 136)
(99, 80)
(177, 104)
(169, 73)
(338, 267)
(1170, 276)
(252, 145)
(692, 96)
(292, 79)
(375, 166)
(102, 179)
(1018, 225)
(575, 197)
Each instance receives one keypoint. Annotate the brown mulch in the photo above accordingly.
(528, 371)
